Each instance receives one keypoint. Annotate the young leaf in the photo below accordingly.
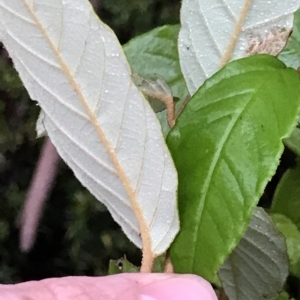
(292, 237)
(159, 95)
(286, 199)
(226, 145)
(258, 267)
(73, 65)
(155, 53)
(215, 32)
(151, 55)
(121, 265)
(154, 90)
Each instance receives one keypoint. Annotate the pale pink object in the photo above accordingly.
(116, 287)
(37, 195)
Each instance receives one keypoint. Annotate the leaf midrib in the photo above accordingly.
(215, 160)
(235, 34)
(144, 229)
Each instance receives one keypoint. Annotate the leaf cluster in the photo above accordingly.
(230, 136)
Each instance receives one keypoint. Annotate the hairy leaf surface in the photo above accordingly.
(155, 53)
(74, 66)
(214, 32)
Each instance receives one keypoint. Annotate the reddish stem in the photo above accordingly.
(37, 194)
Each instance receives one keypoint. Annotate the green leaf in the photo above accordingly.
(292, 237)
(284, 296)
(113, 268)
(121, 265)
(293, 141)
(226, 146)
(155, 91)
(286, 199)
(155, 53)
(291, 54)
(258, 267)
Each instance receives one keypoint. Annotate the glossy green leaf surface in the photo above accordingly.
(226, 146)
(286, 199)
(292, 237)
(291, 54)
